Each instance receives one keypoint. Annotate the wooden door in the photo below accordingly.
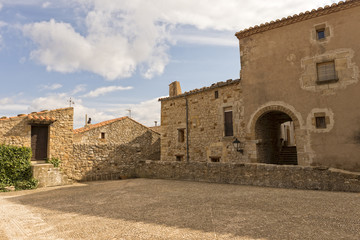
(39, 142)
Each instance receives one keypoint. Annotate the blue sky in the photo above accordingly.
(114, 55)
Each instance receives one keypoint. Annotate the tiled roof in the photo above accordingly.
(321, 11)
(214, 85)
(100, 124)
(35, 116)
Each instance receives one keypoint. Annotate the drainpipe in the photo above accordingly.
(187, 130)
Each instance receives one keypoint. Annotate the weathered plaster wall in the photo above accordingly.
(125, 142)
(279, 65)
(205, 124)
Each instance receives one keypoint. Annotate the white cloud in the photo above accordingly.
(9, 105)
(123, 36)
(145, 112)
(207, 40)
(45, 4)
(1, 6)
(78, 88)
(103, 90)
(2, 24)
(51, 86)
(22, 60)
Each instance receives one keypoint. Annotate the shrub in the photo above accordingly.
(15, 167)
(54, 161)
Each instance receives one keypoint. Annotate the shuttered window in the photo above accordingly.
(326, 72)
(181, 135)
(228, 123)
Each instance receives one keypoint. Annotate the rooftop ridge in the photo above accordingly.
(321, 11)
(96, 125)
(194, 91)
(33, 113)
(104, 123)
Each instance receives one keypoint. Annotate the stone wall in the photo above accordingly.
(279, 72)
(17, 131)
(126, 141)
(205, 123)
(265, 175)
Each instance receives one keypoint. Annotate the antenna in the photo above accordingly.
(71, 102)
(129, 110)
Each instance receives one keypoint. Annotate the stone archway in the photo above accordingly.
(273, 145)
(266, 133)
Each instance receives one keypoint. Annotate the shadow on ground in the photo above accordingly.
(238, 211)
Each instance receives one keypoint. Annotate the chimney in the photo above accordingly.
(174, 89)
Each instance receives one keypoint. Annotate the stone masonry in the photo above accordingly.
(17, 131)
(205, 111)
(299, 71)
(110, 149)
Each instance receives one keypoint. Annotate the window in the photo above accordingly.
(320, 122)
(326, 72)
(102, 135)
(320, 33)
(179, 158)
(228, 122)
(215, 159)
(216, 94)
(181, 135)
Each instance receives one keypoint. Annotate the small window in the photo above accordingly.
(179, 158)
(102, 135)
(215, 159)
(216, 94)
(320, 33)
(228, 122)
(326, 72)
(181, 135)
(320, 122)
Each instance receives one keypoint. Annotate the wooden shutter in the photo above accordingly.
(228, 123)
(326, 71)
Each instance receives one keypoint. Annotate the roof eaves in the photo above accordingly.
(321, 11)
(96, 125)
(203, 89)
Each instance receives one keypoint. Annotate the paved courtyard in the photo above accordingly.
(161, 209)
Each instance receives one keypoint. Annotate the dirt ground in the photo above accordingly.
(161, 209)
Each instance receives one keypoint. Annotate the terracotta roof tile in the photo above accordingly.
(100, 124)
(34, 115)
(321, 11)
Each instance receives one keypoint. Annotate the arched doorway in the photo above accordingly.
(275, 133)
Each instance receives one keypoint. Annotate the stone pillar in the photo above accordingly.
(174, 89)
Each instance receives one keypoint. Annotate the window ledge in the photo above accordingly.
(327, 81)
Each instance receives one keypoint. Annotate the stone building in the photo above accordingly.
(193, 122)
(110, 149)
(48, 133)
(297, 97)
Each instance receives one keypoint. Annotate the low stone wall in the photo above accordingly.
(266, 175)
(107, 161)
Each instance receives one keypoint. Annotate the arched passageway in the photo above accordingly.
(277, 143)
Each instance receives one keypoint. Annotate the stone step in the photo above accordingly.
(49, 176)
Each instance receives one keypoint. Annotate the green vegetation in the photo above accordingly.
(54, 161)
(15, 168)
